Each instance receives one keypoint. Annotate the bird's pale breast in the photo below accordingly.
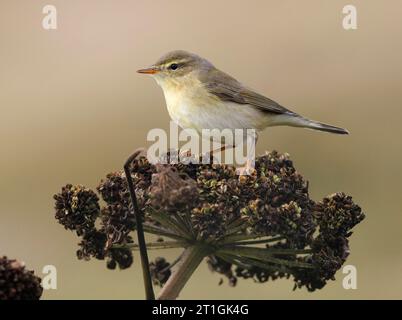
(190, 105)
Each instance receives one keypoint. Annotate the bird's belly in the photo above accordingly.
(212, 114)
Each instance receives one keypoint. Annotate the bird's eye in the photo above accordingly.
(173, 66)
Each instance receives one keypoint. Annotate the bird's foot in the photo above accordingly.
(186, 156)
(185, 153)
(247, 170)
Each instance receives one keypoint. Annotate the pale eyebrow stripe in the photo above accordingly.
(181, 61)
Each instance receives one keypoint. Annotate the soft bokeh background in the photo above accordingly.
(72, 108)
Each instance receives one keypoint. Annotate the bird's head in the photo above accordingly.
(176, 67)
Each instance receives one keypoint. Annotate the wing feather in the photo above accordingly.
(228, 88)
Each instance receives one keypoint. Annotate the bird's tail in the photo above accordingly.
(326, 127)
(315, 125)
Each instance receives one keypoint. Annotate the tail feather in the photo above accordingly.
(315, 125)
(326, 127)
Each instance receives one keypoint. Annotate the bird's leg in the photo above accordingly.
(187, 153)
(220, 149)
(249, 169)
(186, 156)
(184, 153)
(210, 155)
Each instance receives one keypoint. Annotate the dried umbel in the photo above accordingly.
(223, 267)
(94, 244)
(160, 271)
(261, 227)
(17, 283)
(77, 208)
(171, 190)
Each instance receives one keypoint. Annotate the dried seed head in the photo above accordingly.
(294, 223)
(17, 283)
(117, 222)
(208, 222)
(216, 264)
(172, 191)
(327, 258)
(209, 203)
(77, 208)
(121, 257)
(94, 245)
(160, 271)
(337, 214)
(114, 189)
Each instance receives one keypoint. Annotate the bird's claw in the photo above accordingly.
(245, 171)
(185, 153)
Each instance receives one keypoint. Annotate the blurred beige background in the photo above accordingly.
(72, 108)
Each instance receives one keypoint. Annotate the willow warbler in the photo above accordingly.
(200, 96)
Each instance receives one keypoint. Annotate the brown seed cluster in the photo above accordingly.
(17, 283)
(171, 190)
(77, 208)
(209, 203)
(160, 271)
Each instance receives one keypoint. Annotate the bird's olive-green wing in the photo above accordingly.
(229, 89)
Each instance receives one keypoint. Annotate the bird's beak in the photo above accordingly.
(150, 70)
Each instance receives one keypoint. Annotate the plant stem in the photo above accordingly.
(260, 241)
(149, 292)
(153, 245)
(265, 255)
(168, 222)
(160, 231)
(237, 237)
(188, 263)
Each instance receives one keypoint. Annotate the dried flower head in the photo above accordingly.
(94, 244)
(216, 264)
(17, 283)
(338, 214)
(77, 208)
(160, 271)
(114, 189)
(121, 257)
(172, 190)
(262, 227)
(117, 222)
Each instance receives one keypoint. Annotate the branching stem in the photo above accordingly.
(188, 263)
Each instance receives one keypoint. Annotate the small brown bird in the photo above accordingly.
(199, 96)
